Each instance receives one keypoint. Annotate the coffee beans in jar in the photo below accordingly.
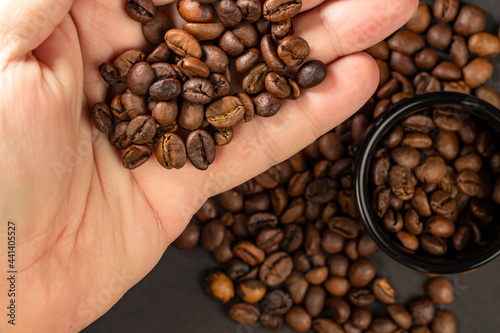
(181, 90)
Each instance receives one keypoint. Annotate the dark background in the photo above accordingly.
(170, 298)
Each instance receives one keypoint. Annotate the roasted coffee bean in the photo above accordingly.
(292, 50)
(263, 26)
(383, 291)
(282, 29)
(461, 237)
(400, 316)
(161, 53)
(379, 51)
(339, 310)
(244, 313)
(276, 268)
(189, 237)
(440, 226)
(470, 19)
(141, 10)
(439, 36)
(251, 9)
(420, 20)
(344, 226)
(381, 200)
(485, 144)
(228, 12)
(256, 203)
(422, 310)
(277, 85)
(231, 44)
(251, 291)
(254, 81)
(298, 319)
(118, 137)
(126, 60)
(431, 171)
(218, 286)
(154, 32)
(426, 83)
(261, 220)
(171, 151)
(426, 59)
(207, 212)
(403, 64)
(225, 112)
(360, 297)
(293, 237)
(337, 286)
(164, 90)
(406, 42)
(325, 325)
(266, 105)
(102, 117)
(468, 182)
(273, 323)
(277, 302)
(311, 74)
(440, 291)
(141, 129)
(432, 244)
(383, 325)
(444, 322)
(212, 235)
(231, 201)
(280, 10)
(247, 60)
(445, 10)
(418, 123)
(401, 183)
(136, 155)
(331, 146)
(269, 239)
(109, 73)
(408, 240)
(200, 149)
(194, 11)
(361, 272)
(477, 72)
(420, 329)
(249, 253)
(314, 301)
(318, 275)
(182, 43)
(459, 51)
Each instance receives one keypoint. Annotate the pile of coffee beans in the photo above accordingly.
(293, 251)
(177, 99)
(433, 180)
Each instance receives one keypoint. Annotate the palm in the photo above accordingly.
(88, 228)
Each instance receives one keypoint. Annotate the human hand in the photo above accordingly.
(88, 229)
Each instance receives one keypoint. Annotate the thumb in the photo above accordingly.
(28, 23)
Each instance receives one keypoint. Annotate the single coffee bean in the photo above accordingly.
(194, 11)
(292, 50)
(403, 64)
(459, 51)
(444, 322)
(273, 323)
(426, 59)
(277, 85)
(249, 253)
(200, 149)
(477, 72)
(154, 32)
(182, 43)
(126, 60)
(393, 221)
(263, 26)
(447, 70)
(231, 44)
(270, 54)
(325, 325)
(379, 51)
(218, 286)
(339, 310)
(420, 20)
(383, 291)
(331, 146)
(254, 81)
(433, 245)
(418, 123)
(406, 42)
(439, 36)
(216, 59)
(164, 90)
(485, 144)
(171, 151)
(247, 60)
(381, 200)
(276, 268)
(189, 237)
(462, 237)
(311, 74)
(198, 90)
(294, 211)
(406, 157)
(140, 10)
(445, 10)
(244, 313)
(431, 171)
(204, 31)
(109, 73)
(400, 182)
(440, 291)
(400, 316)
(282, 29)
(344, 226)
(207, 212)
(212, 235)
(298, 319)
(277, 302)
(468, 182)
(422, 310)
(135, 156)
(251, 291)
(269, 239)
(231, 201)
(266, 105)
(249, 107)
(251, 9)
(408, 240)
(191, 67)
(360, 297)
(337, 286)
(102, 117)
(314, 301)
(141, 129)
(228, 12)
(470, 19)
(383, 325)
(118, 137)
(318, 275)
(280, 10)
(225, 112)
(361, 272)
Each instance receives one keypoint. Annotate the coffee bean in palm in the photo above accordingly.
(189, 237)
(251, 9)
(311, 74)
(200, 149)
(293, 50)
(228, 12)
(182, 43)
(277, 85)
(171, 151)
(269, 51)
(282, 29)
(154, 30)
(194, 11)
(247, 60)
(118, 137)
(231, 44)
(244, 313)
(280, 10)
(141, 129)
(266, 105)
(198, 90)
(164, 90)
(141, 10)
(109, 72)
(102, 117)
(136, 155)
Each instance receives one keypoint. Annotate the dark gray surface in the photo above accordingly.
(170, 298)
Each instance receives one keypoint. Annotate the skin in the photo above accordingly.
(87, 229)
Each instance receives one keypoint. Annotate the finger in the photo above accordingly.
(27, 23)
(262, 142)
(337, 28)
